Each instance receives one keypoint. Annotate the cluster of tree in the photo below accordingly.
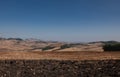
(112, 47)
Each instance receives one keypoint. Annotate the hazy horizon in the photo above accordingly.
(61, 20)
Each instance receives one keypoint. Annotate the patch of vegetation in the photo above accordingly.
(47, 48)
(66, 46)
(112, 47)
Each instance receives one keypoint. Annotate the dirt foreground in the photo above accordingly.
(59, 64)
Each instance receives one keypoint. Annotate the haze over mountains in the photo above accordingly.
(17, 44)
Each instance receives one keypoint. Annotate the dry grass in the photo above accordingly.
(36, 55)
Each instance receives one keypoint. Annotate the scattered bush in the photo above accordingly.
(112, 47)
(65, 46)
(47, 48)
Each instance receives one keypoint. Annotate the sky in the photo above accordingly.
(61, 20)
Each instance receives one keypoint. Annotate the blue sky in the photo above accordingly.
(61, 20)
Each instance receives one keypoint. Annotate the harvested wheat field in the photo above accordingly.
(36, 55)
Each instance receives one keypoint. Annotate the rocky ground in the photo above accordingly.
(59, 68)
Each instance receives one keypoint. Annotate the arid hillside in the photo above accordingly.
(15, 44)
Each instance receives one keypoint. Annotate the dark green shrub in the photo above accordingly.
(47, 48)
(112, 47)
(65, 46)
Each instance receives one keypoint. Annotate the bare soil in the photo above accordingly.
(59, 64)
